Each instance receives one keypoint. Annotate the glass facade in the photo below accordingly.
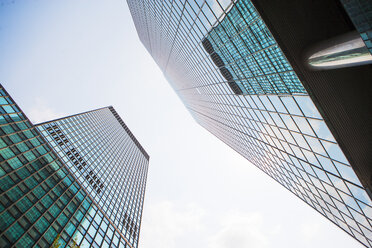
(111, 165)
(360, 12)
(39, 197)
(229, 71)
(250, 54)
(77, 181)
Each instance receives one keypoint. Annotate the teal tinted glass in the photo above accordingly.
(249, 51)
(36, 189)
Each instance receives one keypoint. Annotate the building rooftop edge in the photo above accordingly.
(131, 135)
(118, 118)
(68, 116)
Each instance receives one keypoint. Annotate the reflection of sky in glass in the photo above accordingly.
(307, 106)
(35, 185)
(284, 135)
(108, 163)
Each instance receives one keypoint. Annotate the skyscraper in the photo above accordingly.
(241, 73)
(76, 180)
(106, 158)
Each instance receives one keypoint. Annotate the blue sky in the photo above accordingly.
(63, 57)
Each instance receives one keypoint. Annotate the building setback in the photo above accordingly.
(78, 180)
(240, 70)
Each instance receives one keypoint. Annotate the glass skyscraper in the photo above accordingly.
(109, 162)
(235, 79)
(76, 181)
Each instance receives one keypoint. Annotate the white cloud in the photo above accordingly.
(240, 229)
(309, 230)
(164, 225)
(40, 112)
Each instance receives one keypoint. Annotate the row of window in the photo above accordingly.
(95, 137)
(285, 135)
(38, 196)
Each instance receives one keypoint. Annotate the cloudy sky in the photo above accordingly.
(64, 57)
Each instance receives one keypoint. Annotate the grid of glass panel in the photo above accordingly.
(39, 198)
(251, 54)
(110, 164)
(97, 230)
(276, 126)
(360, 12)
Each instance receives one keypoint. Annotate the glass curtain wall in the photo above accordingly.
(226, 66)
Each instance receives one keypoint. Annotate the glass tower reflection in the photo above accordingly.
(78, 181)
(227, 67)
(39, 199)
(111, 165)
